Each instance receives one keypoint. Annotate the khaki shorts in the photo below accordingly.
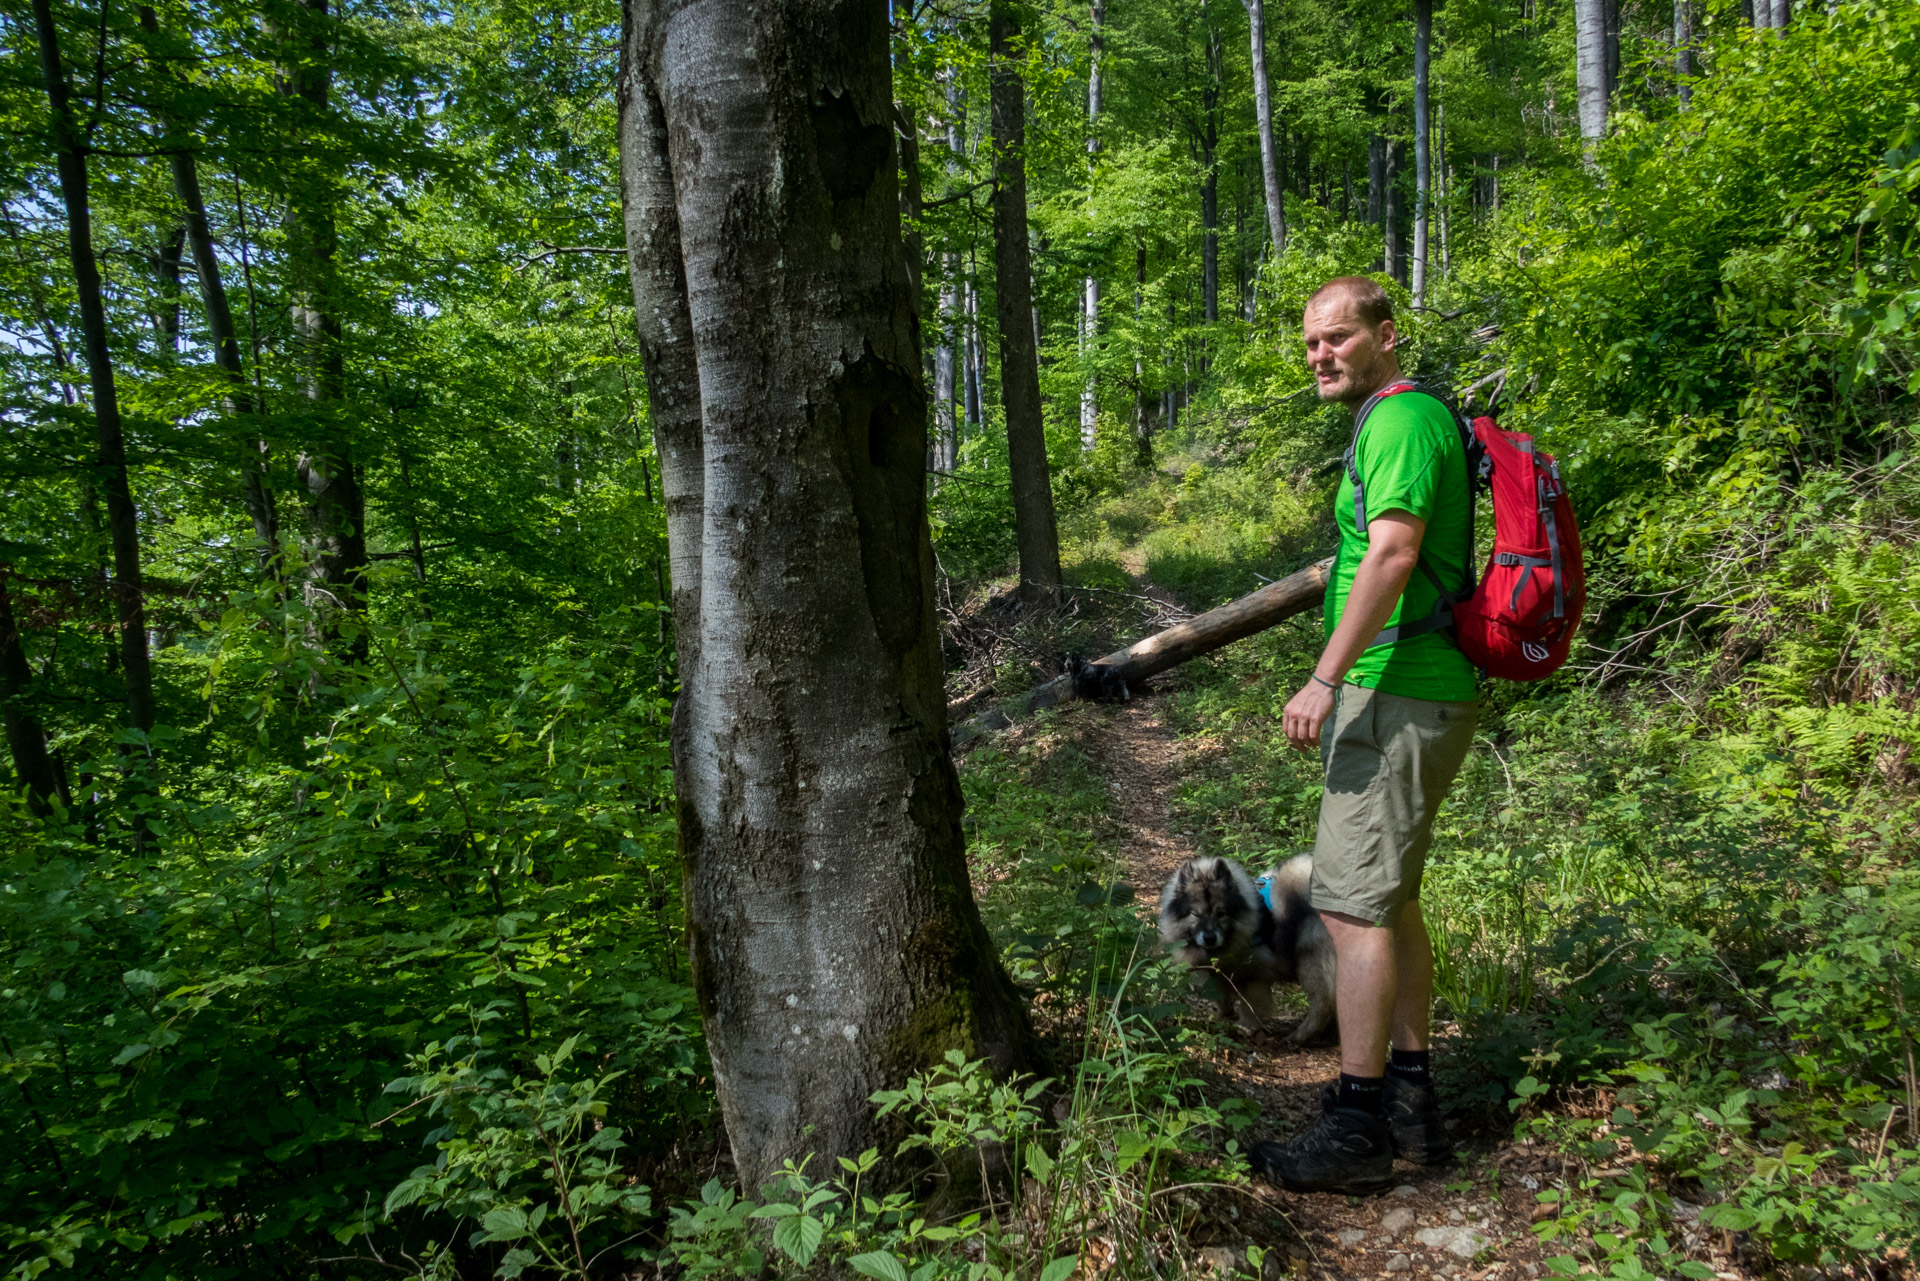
(1389, 761)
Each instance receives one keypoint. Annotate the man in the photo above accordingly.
(1402, 718)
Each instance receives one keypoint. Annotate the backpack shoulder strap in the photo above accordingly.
(1352, 458)
(1442, 615)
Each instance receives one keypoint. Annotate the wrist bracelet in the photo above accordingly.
(1329, 684)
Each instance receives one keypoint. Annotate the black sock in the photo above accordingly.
(1361, 1093)
(1412, 1066)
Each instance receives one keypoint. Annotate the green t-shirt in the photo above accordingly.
(1411, 460)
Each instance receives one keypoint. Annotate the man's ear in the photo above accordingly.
(1389, 336)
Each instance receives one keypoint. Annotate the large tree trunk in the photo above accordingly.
(1263, 121)
(1422, 157)
(1090, 286)
(26, 737)
(110, 458)
(220, 332)
(1590, 54)
(1035, 532)
(836, 946)
(336, 507)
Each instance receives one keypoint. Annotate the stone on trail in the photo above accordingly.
(1399, 1263)
(1223, 1259)
(1352, 1236)
(1461, 1242)
(1396, 1220)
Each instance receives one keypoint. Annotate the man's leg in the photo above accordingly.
(1365, 991)
(1413, 980)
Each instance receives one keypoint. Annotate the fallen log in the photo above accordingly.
(1202, 634)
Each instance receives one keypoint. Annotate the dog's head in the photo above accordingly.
(1208, 906)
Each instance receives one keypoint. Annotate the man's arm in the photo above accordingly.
(1393, 551)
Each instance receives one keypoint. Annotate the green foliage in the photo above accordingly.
(529, 1160)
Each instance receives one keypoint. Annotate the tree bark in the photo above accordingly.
(257, 498)
(836, 947)
(1610, 13)
(1395, 214)
(1263, 123)
(1377, 194)
(110, 458)
(1090, 285)
(26, 737)
(1422, 157)
(1590, 55)
(1035, 532)
(1683, 69)
(335, 504)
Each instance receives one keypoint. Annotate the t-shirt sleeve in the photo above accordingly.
(1399, 458)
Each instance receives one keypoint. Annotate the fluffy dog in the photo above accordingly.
(1214, 918)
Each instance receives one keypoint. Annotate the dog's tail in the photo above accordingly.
(1291, 883)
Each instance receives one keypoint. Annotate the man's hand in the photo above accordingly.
(1306, 712)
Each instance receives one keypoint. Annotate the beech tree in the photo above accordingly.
(835, 943)
(1590, 53)
(1035, 530)
(1263, 123)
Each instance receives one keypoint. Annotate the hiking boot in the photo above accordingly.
(1413, 1118)
(1413, 1121)
(1347, 1151)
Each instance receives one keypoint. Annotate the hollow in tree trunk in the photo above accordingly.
(836, 946)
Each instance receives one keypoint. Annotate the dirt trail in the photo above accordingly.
(1485, 1220)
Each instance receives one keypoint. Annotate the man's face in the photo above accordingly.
(1349, 360)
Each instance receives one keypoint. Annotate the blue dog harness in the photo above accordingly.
(1265, 885)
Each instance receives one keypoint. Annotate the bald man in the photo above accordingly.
(1393, 719)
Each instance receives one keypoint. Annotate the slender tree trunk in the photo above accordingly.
(1395, 215)
(1610, 14)
(1590, 54)
(946, 448)
(26, 738)
(1377, 195)
(946, 431)
(911, 199)
(1034, 530)
(1263, 123)
(1090, 286)
(1210, 181)
(975, 357)
(1422, 157)
(1683, 69)
(110, 459)
(168, 321)
(222, 335)
(335, 504)
(1142, 424)
(836, 947)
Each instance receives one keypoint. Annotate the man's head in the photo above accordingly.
(1351, 339)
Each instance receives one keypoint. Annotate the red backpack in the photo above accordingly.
(1517, 622)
